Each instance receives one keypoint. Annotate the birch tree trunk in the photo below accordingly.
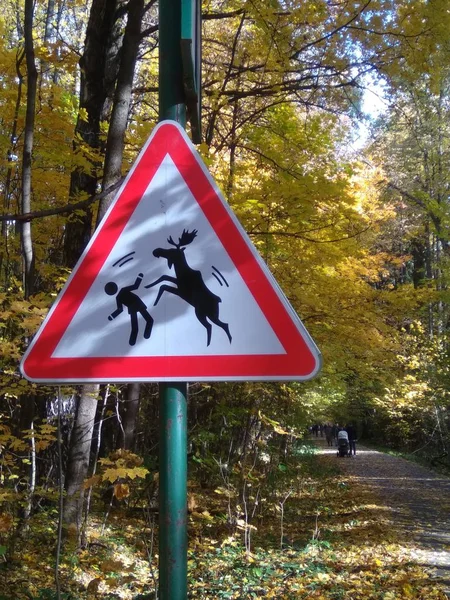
(79, 454)
(81, 440)
(27, 402)
(26, 241)
(97, 67)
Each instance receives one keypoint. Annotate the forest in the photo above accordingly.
(325, 123)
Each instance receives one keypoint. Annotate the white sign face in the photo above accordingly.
(170, 288)
(165, 211)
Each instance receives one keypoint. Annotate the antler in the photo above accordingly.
(186, 237)
(170, 240)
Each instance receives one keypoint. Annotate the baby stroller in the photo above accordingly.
(343, 447)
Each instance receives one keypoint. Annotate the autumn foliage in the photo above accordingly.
(356, 232)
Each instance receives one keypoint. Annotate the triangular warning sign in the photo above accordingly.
(170, 288)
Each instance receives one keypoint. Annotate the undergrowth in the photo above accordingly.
(305, 532)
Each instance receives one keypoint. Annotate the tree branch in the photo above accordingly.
(406, 194)
(333, 32)
(300, 236)
(223, 15)
(68, 208)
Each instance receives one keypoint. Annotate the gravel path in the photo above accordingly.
(418, 499)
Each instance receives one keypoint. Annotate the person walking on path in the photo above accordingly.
(329, 434)
(351, 431)
(334, 432)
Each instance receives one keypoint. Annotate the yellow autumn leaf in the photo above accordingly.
(137, 472)
(91, 481)
(41, 445)
(121, 491)
(17, 445)
(113, 474)
(408, 590)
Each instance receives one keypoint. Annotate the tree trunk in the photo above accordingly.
(12, 159)
(99, 67)
(27, 407)
(113, 167)
(27, 246)
(122, 99)
(129, 415)
(79, 454)
(97, 82)
(82, 436)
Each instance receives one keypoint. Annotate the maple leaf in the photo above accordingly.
(112, 474)
(121, 491)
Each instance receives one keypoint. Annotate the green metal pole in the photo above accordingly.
(173, 492)
(172, 396)
(172, 101)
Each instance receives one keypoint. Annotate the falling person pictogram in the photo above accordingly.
(127, 297)
(189, 284)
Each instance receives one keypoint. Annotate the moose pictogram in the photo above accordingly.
(189, 284)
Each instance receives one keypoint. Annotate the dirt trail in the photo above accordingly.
(417, 498)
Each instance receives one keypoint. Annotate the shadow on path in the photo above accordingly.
(418, 498)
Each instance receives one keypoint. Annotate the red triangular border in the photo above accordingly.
(302, 359)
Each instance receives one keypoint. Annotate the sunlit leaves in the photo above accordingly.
(118, 467)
